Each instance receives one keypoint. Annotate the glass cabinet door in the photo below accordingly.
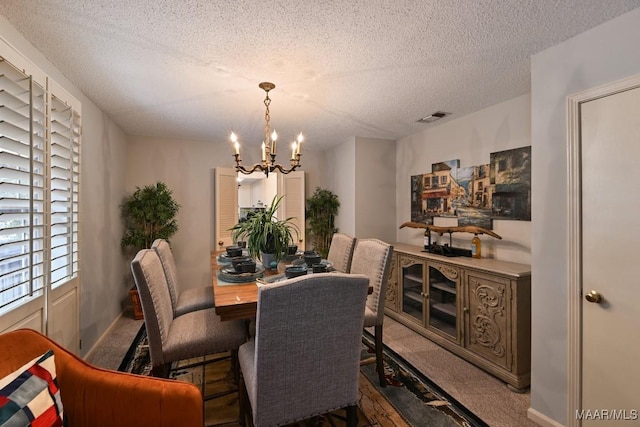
(443, 295)
(412, 293)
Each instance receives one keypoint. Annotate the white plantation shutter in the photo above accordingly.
(39, 179)
(64, 185)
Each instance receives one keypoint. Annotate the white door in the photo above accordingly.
(293, 203)
(610, 156)
(226, 205)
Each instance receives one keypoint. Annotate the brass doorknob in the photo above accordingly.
(593, 296)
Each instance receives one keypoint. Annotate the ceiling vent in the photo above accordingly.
(433, 117)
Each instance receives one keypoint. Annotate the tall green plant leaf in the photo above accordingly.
(149, 214)
(322, 208)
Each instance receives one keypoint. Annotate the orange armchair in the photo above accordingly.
(98, 397)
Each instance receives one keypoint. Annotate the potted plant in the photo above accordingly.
(148, 214)
(322, 208)
(267, 237)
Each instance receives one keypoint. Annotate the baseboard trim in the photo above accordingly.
(541, 419)
(94, 347)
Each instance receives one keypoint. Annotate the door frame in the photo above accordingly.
(574, 237)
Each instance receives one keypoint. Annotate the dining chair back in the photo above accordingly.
(372, 257)
(194, 334)
(188, 300)
(304, 359)
(341, 251)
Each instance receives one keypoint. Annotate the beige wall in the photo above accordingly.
(341, 179)
(375, 189)
(314, 166)
(471, 139)
(104, 289)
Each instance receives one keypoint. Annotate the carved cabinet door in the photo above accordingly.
(487, 320)
(391, 298)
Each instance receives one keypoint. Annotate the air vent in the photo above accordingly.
(433, 117)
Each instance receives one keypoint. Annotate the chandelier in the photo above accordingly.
(268, 163)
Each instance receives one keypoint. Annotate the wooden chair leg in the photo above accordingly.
(379, 359)
(161, 371)
(352, 416)
(235, 365)
(243, 403)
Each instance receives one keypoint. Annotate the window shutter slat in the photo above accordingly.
(17, 87)
(21, 148)
(16, 116)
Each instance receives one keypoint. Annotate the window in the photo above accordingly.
(39, 188)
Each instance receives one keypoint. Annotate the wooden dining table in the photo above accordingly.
(235, 301)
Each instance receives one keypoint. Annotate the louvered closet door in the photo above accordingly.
(226, 205)
(293, 204)
(22, 200)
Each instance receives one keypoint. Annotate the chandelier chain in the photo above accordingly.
(267, 126)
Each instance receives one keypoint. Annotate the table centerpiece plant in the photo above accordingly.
(268, 238)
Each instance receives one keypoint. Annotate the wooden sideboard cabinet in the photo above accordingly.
(479, 309)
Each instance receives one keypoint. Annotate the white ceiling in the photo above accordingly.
(190, 69)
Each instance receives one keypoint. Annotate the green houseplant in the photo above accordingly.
(322, 208)
(148, 214)
(265, 234)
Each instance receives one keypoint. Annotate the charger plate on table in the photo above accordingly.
(229, 274)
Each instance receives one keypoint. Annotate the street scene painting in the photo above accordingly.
(475, 195)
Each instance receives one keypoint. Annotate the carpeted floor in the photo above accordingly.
(483, 394)
(410, 399)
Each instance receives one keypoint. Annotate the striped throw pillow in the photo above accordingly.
(30, 396)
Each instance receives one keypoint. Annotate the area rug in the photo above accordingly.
(410, 399)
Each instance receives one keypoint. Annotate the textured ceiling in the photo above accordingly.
(190, 69)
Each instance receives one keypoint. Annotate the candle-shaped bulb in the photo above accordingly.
(264, 155)
(294, 150)
(236, 145)
(300, 137)
(234, 138)
(274, 138)
(299, 144)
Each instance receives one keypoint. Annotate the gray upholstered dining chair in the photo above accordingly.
(189, 299)
(372, 257)
(305, 357)
(341, 251)
(194, 334)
